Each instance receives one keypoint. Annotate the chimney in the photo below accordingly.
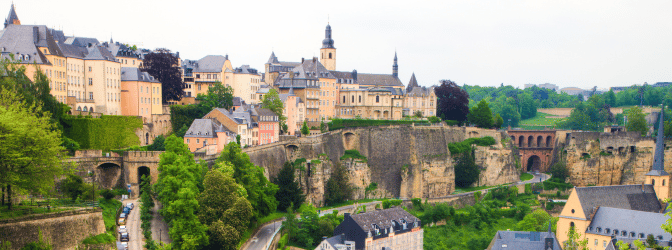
(354, 75)
(36, 34)
(314, 59)
(303, 59)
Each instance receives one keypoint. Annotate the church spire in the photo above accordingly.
(327, 43)
(12, 18)
(395, 66)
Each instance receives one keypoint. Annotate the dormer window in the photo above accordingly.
(624, 233)
(641, 235)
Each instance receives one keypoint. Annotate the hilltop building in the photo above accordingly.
(626, 211)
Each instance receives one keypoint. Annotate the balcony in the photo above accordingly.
(81, 100)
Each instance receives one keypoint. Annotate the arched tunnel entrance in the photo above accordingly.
(142, 172)
(107, 175)
(534, 163)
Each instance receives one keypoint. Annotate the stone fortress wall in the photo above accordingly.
(64, 230)
(405, 161)
(621, 158)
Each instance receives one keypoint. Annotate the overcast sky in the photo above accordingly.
(568, 43)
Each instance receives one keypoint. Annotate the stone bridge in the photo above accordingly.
(114, 171)
(536, 148)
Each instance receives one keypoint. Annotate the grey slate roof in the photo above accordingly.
(382, 218)
(245, 69)
(239, 117)
(658, 168)
(99, 53)
(120, 50)
(204, 128)
(522, 240)
(134, 74)
(412, 83)
(237, 101)
(25, 40)
(378, 80)
(210, 63)
(629, 221)
(273, 59)
(81, 41)
(633, 197)
(73, 51)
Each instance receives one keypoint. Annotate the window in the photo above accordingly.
(198, 75)
(596, 242)
(663, 182)
(604, 243)
(90, 95)
(377, 99)
(343, 99)
(360, 99)
(187, 141)
(90, 81)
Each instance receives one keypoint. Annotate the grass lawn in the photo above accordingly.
(526, 177)
(110, 208)
(539, 121)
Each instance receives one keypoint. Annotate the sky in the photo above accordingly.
(567, 43)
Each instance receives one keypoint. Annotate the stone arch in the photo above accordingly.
(291, 150)
(533, 163)
(143, 171)
(530, 141)
(540, 140)
(107, 175)
(349, 140)
(549, 141)
(521, 141)
(386, 114)
(91, 110)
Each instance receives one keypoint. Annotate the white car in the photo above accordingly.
(124, 245)
(122, 229)
(122, 215)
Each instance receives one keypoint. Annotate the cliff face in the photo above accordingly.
(610, 159)
(404, 161)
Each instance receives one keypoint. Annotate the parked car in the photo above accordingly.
(126, 210)
(130, 205)
(122, 215)
(122, 221)
(124, 237)
(124, 245)
(122, 229)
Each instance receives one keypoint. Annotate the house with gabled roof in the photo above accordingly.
(391, 228)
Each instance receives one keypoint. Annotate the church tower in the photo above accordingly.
(328, 52)
(12, 18)
(395, 66)
(658, 177)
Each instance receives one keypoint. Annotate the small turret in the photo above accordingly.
(395, 66)
(12, 18)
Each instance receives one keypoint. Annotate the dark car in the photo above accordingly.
(124, 237)
(127, 210)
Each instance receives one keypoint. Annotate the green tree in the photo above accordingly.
(304, 129)
(574, 241)
(158, 144)
(452, 101)
(260, 191)
(273, 102)
(610, 98)
(559, 170)
(481, 115)
(637, 121)
(338, 188)
(323, 126)
(510, 113)
(291, 224)
(72, 186)
(499, 121)
(536, 221)
(466, 170)
(177, 189)
(30, 147)
(528, 108)
(218, 96)
(289, 191)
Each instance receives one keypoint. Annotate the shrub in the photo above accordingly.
(107, 194)
(434, 119)
(354, 154)
(550, 205)
(389, 203)
(461, 147)
(417, 203)
(559, 170)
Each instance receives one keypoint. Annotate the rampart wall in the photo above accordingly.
(64, 230)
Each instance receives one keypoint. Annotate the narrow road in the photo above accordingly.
(159, 226)
(133, 226)
(538, 177)
(261, 239)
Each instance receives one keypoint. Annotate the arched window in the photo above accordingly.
(571, 224)
(91, 109)
(329, 55)
(86, 109)
(377, 99)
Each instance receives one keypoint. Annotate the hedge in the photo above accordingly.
(105, 133)
(464, 146)
(350, 123)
